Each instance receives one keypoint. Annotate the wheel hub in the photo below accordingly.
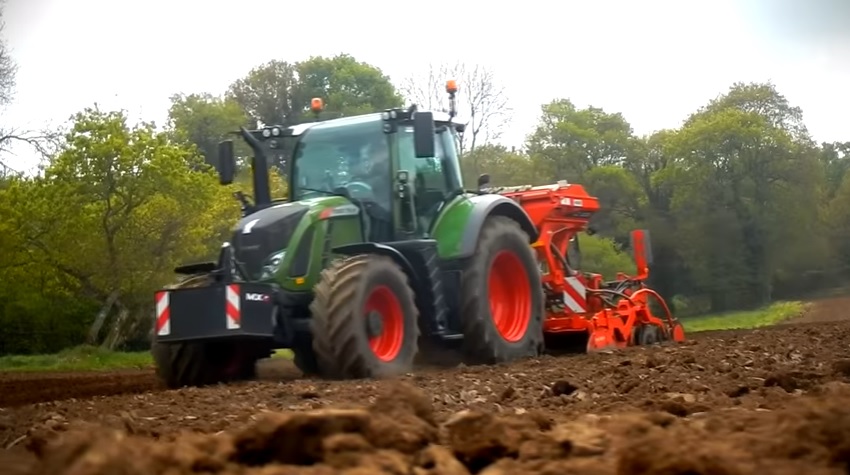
(374, 324)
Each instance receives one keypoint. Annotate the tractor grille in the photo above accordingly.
(270, 234)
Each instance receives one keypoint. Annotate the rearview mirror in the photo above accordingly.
(423, 134)
(226, 162)
(483, 180)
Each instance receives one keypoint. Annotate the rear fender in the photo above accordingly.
(485, 206)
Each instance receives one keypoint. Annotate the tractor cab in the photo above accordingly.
(398, 166)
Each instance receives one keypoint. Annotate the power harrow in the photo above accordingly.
(605, 314)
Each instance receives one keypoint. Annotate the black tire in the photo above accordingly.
(202, 363)
(304, 357)
(482, 341)
(339, 321)
(649, 335)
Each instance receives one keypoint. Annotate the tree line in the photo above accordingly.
(742, 205)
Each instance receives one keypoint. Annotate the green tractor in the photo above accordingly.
(362, 271)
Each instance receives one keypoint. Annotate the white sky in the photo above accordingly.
(653, 60)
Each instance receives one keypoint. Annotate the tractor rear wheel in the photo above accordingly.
(199, 363)
(502, 296)
(364, 319)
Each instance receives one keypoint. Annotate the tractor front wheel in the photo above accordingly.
(364, 319)
(502, 301)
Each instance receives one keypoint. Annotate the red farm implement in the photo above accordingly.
(607, 314)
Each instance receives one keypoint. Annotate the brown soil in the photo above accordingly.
(766, 401)
(28, 388)
(825, 309)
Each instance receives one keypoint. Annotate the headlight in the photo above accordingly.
(272, 265)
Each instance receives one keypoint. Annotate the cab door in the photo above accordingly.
(417, 200)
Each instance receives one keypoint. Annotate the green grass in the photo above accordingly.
(88, 358)
(80, 358)
(770, 315)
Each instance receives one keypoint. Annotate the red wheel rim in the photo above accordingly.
(510, 296)
(383, 301)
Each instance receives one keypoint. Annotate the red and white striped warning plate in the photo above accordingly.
(163, 313)
(575, 295)
(233, 310)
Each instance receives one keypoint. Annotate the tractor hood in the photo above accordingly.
(259, 234)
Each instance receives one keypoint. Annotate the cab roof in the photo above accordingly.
(298, 129)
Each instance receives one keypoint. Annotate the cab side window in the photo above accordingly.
(428, 181)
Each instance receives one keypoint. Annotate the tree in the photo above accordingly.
(505, 167)
(279, 92)
(134, 205)
(570, 141)
(204, 120)
(268, 94)
(651, 161)
(347, 86)
(838, 219)
(42, 309)
(745, 175)
(480, 97)
(648, 160)
(602, 255)
(835, 159)
(763, 100)
(621, 198)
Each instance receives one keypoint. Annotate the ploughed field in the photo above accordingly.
(773, 400)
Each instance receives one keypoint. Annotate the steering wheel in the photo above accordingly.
(359, 189)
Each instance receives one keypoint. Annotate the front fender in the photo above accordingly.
(382, 250)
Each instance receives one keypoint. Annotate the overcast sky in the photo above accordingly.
(653, 60)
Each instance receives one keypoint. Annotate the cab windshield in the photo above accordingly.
(330, 156)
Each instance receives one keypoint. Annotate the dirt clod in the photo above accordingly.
(841, 367)
(296, 438)
(563, 388)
